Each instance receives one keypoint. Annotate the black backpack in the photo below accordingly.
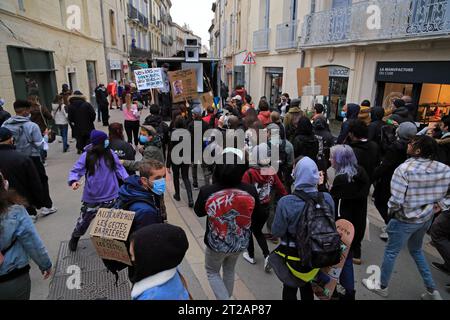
(317, 240)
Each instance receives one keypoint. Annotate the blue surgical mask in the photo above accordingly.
(343, 114)
(159, 186)
(143, 139)
(106, 143)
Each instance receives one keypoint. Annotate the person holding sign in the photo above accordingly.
(102, 169)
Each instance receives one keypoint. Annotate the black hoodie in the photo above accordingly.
(401, 115)
(368, 155)
(377, 115)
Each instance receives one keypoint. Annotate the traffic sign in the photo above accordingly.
(250, 58)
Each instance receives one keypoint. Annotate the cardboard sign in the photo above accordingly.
(184, 85)
(149, 79)
(111, 250)
(313, 81)
(112, 224)
(207, 100)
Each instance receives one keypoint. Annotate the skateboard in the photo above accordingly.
(326, 281)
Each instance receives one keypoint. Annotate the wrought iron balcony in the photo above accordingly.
(287, 37)
(132, 12)
(400, 19)
(261, 40)
(140, 53)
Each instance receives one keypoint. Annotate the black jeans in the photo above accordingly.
(306, 293)
(132, 129)
(184, 168)
(258, 223)
(105, 115)
(83, 141)
(46, 200)
(360, 224)
(440, 234)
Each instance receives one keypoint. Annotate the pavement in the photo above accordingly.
(251, 283)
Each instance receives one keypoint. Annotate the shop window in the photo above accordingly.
(395, 91)
(434, 102)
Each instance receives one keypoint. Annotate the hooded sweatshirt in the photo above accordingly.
(290, 207)
(27, 135)
(264, 117)
(352, 114)
(264, 183)
(377, 115)
(401, 115)
(147, 212)
(101, 187)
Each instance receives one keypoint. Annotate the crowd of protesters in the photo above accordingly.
(379, 154)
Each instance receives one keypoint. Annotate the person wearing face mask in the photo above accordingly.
(102, 170)
(349, 112)
(143, 194)
(19, 170)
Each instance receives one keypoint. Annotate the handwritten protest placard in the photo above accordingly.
(184, 85)
(111, 250)
(149, 79)
(109, 231)
(207, 100)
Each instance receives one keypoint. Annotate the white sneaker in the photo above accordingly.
(248, 259)
(375, 287)
(267, 266)
(384, 236)
(48, 211)
(432, 296)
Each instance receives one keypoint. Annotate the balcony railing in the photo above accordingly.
(132, 12)
(261, 40)
(287, 37)
(399, 19)
(140, 53)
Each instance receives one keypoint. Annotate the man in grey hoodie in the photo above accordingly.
(28, 141)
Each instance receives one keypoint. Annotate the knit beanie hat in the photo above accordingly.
(157, 248)
(98, 137)
(407, 130)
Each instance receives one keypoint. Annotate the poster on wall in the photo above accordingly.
(313, 81)
(149, 79)
(184, 85)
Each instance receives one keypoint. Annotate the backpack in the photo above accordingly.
(388, 137)
(317, 240)
(115, 266)
(163, 132)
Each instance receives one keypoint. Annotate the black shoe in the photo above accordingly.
(73, 244)
(195, 185)
(191, 204)
(441, 267)
(177, 197)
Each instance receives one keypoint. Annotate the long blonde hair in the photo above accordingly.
(128, 101)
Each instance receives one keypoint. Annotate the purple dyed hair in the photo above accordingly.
(345, 161)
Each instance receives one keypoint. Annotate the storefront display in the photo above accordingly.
(428, 83)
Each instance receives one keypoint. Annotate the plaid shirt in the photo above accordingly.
(418, 185)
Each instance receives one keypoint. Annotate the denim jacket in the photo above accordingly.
(17, 224)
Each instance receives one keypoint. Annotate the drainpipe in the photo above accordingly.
(105, 49)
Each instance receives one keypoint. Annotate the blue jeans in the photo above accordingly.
(64, 130)
(400, 234)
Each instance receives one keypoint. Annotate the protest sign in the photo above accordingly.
(313, 81)
(184, 85)
(109, 231)
(111, 250)
(207, 100)
(149, 79)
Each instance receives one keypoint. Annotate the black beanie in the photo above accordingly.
(157, 248)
